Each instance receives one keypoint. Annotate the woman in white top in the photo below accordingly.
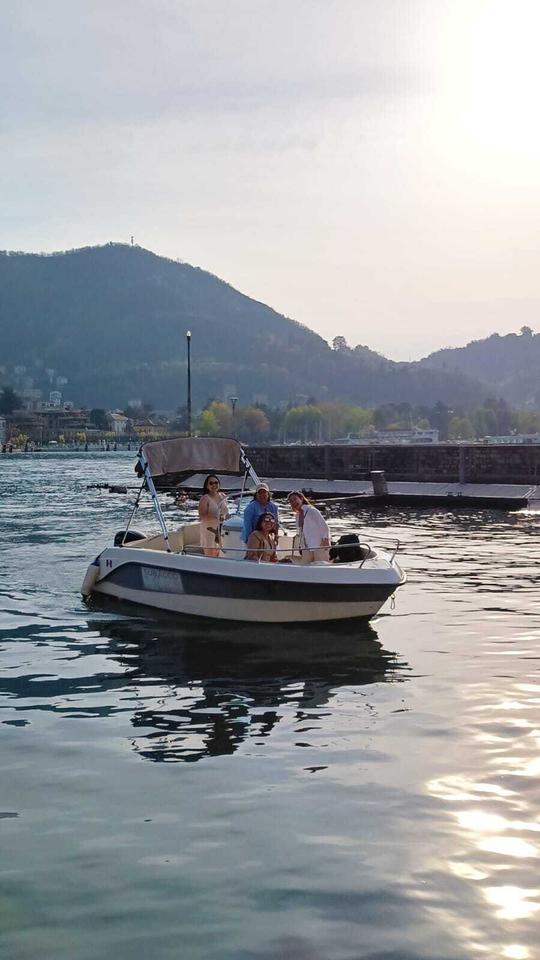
(212, 511)
(312, 528)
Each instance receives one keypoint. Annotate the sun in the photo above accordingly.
(493, 76)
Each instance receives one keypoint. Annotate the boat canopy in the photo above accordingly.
(182, 456)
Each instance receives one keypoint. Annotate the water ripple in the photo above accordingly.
(347, 793)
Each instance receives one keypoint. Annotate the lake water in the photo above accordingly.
(173, 790)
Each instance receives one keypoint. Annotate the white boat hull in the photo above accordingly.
(248, 610)
(224, 589)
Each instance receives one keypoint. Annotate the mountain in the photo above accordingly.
(108, 324)
(508, 366)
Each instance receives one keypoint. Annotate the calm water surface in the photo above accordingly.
(172, 790)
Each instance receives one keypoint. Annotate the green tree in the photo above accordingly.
(502, 413)
(385, 414)
(460, 428)
(358, 420)
(275, 417)
(340, 418)
(222, 414)
(440, 418)
(252, 424)
(526, 421)
(332, 419)
(133, 413)
(9, 400)
(303, 422)
(484, 421)
(98, 417)
(207, 425)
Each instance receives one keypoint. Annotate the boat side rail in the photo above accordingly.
(392, 544)
(177, 544)
(293, 551)
(195, 549)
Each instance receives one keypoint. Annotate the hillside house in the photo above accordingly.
(118, 423)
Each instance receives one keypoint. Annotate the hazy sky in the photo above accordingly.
(368, 167)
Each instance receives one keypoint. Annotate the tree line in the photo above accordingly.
(323, 422)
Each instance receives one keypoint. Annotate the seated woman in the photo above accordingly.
(261, 543)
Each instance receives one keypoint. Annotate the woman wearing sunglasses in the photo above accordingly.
(212, 511)
(261, 543)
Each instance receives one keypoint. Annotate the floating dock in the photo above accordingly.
(496, 495)
(504, 476)
(452, 495)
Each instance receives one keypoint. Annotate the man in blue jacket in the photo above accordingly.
(261, 503)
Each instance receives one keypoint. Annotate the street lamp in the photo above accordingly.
(234, 401)
(188, 340)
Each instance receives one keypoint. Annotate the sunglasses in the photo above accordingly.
(213, 483)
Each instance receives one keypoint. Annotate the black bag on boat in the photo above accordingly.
(348, 549)
(129, 536)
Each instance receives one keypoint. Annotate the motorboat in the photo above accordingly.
(169, 571)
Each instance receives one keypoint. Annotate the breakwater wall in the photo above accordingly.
(440, 463)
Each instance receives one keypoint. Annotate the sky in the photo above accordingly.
(367, 167)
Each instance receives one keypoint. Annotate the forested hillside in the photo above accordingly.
(112, 320)
(508, 365)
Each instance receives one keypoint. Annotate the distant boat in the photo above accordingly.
(391, 436)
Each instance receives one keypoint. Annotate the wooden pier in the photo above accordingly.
(503, 476)
(453, 475)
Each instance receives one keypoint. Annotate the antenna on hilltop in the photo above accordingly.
(132, 241)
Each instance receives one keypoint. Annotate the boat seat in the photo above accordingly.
(191, 535)
(186, 538)
(176, 540)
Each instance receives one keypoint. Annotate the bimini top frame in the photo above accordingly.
(165, 463)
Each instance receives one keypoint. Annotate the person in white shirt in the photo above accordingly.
(312, 529)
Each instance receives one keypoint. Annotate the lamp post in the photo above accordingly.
(188, 340)
(234, 401)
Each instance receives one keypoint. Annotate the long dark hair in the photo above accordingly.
(211, 476)
(298, 493)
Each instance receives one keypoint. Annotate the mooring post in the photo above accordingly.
(380, 486)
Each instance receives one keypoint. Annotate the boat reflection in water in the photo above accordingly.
(202, 691)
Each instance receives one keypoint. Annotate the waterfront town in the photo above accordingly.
(29, 422)
(56, 424)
